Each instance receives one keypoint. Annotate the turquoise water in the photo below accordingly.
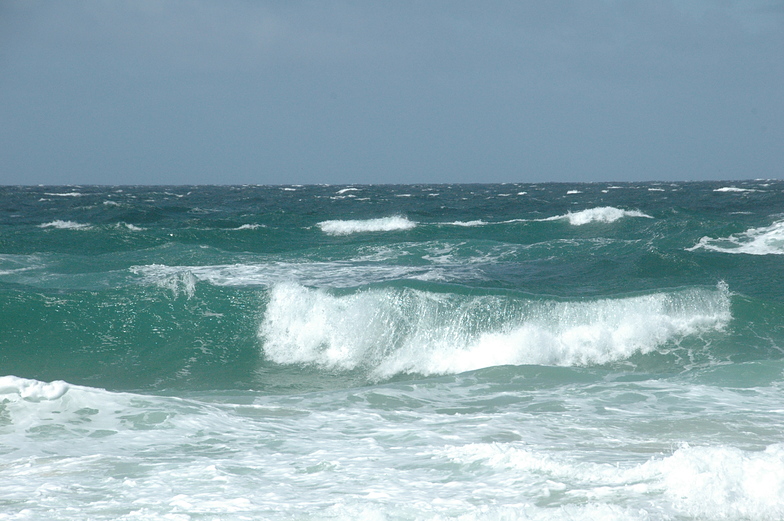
(517, 351)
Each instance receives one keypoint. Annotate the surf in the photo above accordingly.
(390, 331)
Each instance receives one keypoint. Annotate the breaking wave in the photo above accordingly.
(754, 241)
(383, 224)
(393, 331)
(603, 214)
(65, 225)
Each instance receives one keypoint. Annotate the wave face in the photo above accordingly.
(418, 352)
(408, 331)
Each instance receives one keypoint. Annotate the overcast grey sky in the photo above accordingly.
(208, 91)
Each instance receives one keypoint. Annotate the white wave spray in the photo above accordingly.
(603, 214)
(383, 224)
(767, 240)
(392, 331)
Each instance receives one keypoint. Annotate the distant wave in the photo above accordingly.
(734, 189)
(250, 227)
(66, 225)
(393, 331)
(66, 194)
(384, 224)
(754, 241)
(339, 274)
(468, 224)
(129, 227)
(604, 214)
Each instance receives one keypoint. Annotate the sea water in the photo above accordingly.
(418, 352)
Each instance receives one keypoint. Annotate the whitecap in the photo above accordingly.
(32, 390)
(734, 189)
(603, 214)
(383, 224)
(767, 240)
(65, 225)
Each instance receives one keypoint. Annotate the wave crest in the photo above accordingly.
(392, 331)
(32, 390)
(383, 224)
(65, 225)
(768, 240)
(604, 214)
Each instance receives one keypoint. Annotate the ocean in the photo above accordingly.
(607, 351)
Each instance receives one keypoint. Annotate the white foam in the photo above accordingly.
(129, 227)
(469, 224)
(573, 192)
(734, 189)
(250, 227)
(392, 331)
(345, 190)
(715, 482)
(383, 224)
(32, 390)
(65, 225)
(767, 240)
(66, 194)
(604, 214)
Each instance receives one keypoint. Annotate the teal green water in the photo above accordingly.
(165, 288)
(517, 351)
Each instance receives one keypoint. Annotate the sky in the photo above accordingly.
(295, 92)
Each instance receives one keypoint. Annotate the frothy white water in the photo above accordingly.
(383, 224)
(469, 224)
(768, 240)
(734, 189)
(604, 214)
(392, 331)
(384, 452)
(250, 227)
(32, 390)
(65, 225)
(704, 482)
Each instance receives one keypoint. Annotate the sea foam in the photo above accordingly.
(65, 225)
(714, 482)
(767, 240)
(32, 390)
(603, 214)
(392, 331)
(383, 224)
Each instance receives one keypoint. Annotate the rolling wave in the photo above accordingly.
(383, 224)
(393, 331)
(767, 240)
(602, 214)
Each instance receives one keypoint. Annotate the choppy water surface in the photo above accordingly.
(552, 351)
